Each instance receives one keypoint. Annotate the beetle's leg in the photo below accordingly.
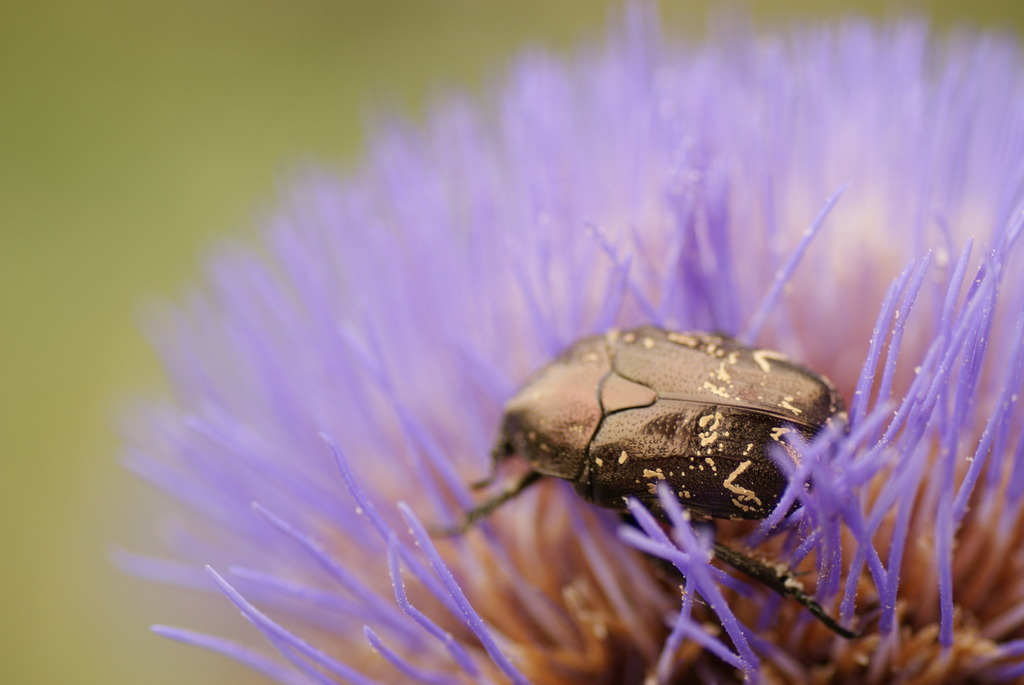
(485, 482)
(500, 452)
(483, 509)
(782, 581)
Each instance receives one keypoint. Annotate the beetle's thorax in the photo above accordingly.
(552, 419)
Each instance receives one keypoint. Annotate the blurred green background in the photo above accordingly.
(133, 134)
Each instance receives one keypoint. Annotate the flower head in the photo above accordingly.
(851, 196)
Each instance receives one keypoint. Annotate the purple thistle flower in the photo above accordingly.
(851, 196)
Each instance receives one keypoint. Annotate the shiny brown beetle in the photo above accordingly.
(619, 413)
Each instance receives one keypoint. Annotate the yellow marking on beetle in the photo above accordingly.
(591, 357)
(741, 505)
(629, 338)
(785, 404)
(733, 357)
(711, 462)
(648, 343)
(685, 493)
(722, 374)
(599, 461)
(710, 387)
(761, 358)
(745, 495)
(623, 457)
(707, 418)
(708, 436)
(654, 474)
(750, 446)
(778, 432)
(682, 339)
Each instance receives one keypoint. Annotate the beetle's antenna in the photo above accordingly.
(482, 510)
(782, 581)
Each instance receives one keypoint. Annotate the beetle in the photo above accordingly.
(617, 414)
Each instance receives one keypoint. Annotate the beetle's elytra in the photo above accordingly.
(618, 413)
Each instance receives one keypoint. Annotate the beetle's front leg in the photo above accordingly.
(482, 510)
(500, 452)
